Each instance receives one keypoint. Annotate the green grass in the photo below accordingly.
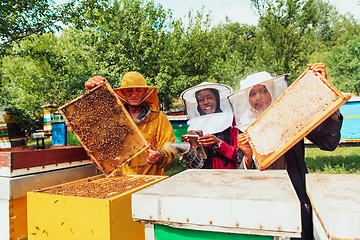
(344, 160)
(32, 142)
(71, 141)
(175, 167)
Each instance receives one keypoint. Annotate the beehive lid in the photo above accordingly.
(335, 198)
(252, 202)
(104, 128)
(297, 111)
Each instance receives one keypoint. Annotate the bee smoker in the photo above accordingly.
(192, 157)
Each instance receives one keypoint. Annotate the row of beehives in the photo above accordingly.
(185, 204)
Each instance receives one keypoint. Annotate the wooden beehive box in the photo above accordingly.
(295, 113)
(104, 128)
(93, 208)
(335, 205)
(13, 190)
(28, 160)
(250, 202)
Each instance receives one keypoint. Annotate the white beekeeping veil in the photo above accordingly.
(208, 123)
(243, 112)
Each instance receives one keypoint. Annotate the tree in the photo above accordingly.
(332, 28)
(137, 35)
(236, 56)
(189, 54)
(344, 62)
(45, 70)
(21, 19)
(126, 35)
(282, 37)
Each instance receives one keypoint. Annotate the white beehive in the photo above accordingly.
(335, 199)
(232, 201)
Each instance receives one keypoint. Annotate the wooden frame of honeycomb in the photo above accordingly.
(302, 107)
(104, 128)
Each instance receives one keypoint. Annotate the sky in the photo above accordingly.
(237, 10)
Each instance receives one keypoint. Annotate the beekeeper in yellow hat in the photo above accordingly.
(142, 103)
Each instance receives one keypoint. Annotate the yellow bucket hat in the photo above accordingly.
(136, 80)
(133, 80)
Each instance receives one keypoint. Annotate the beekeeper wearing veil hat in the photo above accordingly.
(256, 93)
(326, 136)
(209, 111)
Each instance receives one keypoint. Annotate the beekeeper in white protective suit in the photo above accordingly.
(326, 136)
(210, 114)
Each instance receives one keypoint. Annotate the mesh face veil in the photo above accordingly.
(244, 113)
(222, 115)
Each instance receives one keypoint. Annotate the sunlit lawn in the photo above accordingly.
(71, 140)
(342, 160)
(175, 167)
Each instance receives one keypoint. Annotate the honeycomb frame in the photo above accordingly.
(265, 159)
(104, 128)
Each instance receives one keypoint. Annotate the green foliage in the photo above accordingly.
(189, 54)
(24, 18)
(129, 35)
(281, 41)
(44, 70)
(344, 62)
(21, 19)
(236, 57)
(111, 37)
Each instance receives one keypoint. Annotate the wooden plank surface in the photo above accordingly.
(30, 157)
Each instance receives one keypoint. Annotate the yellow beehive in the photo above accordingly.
(13, 212)
(17, 218)
(71, 211)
